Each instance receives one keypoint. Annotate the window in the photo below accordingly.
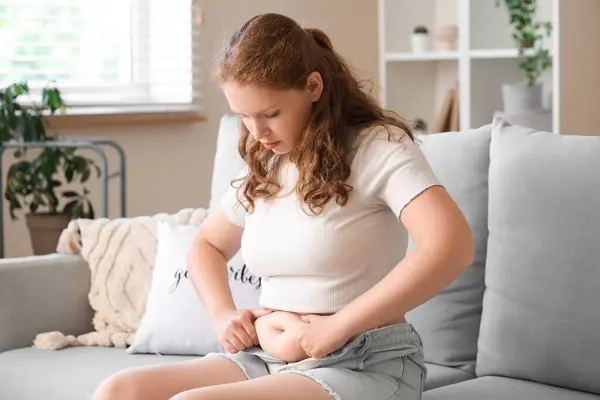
(109, 52)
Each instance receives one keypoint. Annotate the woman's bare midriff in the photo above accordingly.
(278, 334)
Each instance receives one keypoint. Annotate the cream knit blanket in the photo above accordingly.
(120, 253)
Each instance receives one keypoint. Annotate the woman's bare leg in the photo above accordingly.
(271, 387)
(162, 382)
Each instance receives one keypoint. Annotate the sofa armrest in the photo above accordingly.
(41, 294)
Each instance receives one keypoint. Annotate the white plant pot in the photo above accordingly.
(420, 42)
(518, 97)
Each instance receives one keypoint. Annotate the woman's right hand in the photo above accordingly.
(235, 328)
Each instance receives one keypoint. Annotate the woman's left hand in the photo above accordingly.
(321, 335)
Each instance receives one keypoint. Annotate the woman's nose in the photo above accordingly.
(259, 131)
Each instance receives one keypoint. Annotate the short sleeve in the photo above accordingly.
(231, 204)
(391, 171)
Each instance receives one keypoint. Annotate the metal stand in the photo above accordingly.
(94, 144)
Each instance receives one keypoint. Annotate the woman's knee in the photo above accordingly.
(120, 386)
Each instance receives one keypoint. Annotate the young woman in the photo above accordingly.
(322, 212)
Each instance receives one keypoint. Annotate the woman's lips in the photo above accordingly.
(270, 145)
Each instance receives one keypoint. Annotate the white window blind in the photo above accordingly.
(109, 52)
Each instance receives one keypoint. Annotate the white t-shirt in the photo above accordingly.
(318, 264)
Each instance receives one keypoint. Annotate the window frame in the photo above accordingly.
(114, 111)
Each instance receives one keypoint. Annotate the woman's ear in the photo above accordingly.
(314, 86)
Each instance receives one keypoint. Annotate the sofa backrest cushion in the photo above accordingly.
(541, 309)
(228, 163)
(449, 322)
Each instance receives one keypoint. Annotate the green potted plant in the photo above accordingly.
(420, 126)
(420, 39)
(35, 182)
(535, 58)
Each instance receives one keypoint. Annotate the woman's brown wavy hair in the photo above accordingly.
(273, 51)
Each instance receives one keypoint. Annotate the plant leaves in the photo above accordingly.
(79, 163)
(33, 183)
(52, 201)
(528, 33)
(85, 175)
(33, 207)
(20, 88)
(39, 126)
(69, 174)
(90, 214)
(69, 206)
(77, 210)
(51, 97)
(5, 134)
(70, 193)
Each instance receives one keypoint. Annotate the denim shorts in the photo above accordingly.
(382, 364)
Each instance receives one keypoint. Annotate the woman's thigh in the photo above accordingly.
(163, 382)
(270, 387)
(398, 379)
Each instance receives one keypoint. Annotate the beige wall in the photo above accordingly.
(170, 167)
(578, 66)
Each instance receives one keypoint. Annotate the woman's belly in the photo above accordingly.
(278, 333)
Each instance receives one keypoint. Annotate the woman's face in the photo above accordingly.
(276, 118)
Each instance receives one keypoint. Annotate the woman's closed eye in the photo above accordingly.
(269, 116)
(273, 114)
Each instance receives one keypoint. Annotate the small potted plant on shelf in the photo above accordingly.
(420, 39)
(420, 126)
(34, 181)
(535, 58)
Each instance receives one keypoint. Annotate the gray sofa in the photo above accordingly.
(521, 323)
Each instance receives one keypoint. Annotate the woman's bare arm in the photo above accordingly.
(444, 248)
(217, 241)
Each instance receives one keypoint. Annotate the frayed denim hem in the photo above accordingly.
(315, 378)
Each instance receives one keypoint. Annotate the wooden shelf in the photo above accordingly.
(490, 54)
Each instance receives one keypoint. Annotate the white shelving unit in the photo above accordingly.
(415, 85)
(429, 56)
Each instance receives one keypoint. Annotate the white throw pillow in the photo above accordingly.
(175, 321)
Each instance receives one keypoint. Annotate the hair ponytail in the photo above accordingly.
(320, 37)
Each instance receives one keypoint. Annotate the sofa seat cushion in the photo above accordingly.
(68, 374)
(499, 388)
(438, 376)
(74, 373)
